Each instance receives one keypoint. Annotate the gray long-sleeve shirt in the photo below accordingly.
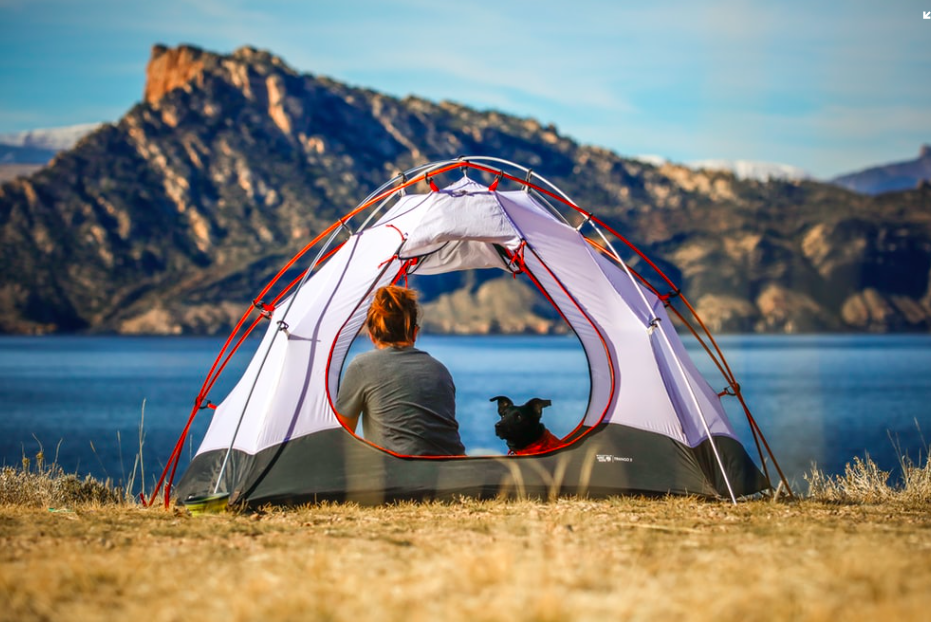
(407, 400)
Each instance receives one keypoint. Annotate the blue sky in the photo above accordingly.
(830, 87)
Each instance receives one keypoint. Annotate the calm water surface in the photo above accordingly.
(822, 399)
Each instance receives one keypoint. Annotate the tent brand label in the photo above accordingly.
(612, 458)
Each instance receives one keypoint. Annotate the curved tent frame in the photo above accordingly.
(275, 301)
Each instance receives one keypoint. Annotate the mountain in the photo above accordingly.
(171, 219)
(890, 177)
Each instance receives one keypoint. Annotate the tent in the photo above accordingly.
(653, 424)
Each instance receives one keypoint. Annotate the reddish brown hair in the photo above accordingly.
(392, 317)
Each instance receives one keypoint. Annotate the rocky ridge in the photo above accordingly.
(170, 220)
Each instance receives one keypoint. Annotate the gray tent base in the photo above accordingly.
(611, 460)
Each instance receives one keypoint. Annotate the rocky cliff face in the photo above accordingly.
(171, 220)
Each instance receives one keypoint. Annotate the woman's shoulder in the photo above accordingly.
(376, 355)
(425, 358)
(391, 352)
(364, 358)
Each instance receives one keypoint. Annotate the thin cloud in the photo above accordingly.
(733, 79)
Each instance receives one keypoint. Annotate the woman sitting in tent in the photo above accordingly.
(406, 397)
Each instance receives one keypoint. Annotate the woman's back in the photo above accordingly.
(408, 399)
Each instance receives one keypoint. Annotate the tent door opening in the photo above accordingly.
(532, 355)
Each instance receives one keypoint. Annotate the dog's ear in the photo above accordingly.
(537, 405)
(503, 403)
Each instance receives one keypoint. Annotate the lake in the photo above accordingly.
(818, 399)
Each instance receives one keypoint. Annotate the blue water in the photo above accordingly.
(822, 399)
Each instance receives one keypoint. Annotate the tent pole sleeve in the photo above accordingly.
(685, 377)
(268, 350)
(623, 264)
(688, 385)
(229, 450)
(701, 415)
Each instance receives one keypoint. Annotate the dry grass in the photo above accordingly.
(47, 485)
(864, 482)
(624, 558)
(822, 558)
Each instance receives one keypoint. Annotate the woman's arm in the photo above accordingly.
(350, 399)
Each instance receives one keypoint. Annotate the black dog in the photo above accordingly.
(521, 428)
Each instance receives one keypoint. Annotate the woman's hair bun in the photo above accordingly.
(392, 316)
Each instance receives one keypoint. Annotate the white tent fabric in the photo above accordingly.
(641, 374)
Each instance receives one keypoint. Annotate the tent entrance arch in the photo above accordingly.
(653, 423)
(533, 354)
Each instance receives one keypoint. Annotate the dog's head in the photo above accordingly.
(519, 426)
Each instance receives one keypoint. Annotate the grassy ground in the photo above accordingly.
(837, 555)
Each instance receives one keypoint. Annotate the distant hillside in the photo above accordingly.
(23, 153)
(18, 161)
(12, 154)
(745, 169)
(12, 171)
(890, 177)
(51, 139)
(170, 220)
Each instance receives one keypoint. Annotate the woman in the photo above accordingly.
(406, 397)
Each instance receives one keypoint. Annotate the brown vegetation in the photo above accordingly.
(832, 556)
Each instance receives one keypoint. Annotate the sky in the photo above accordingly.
(830, 87)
